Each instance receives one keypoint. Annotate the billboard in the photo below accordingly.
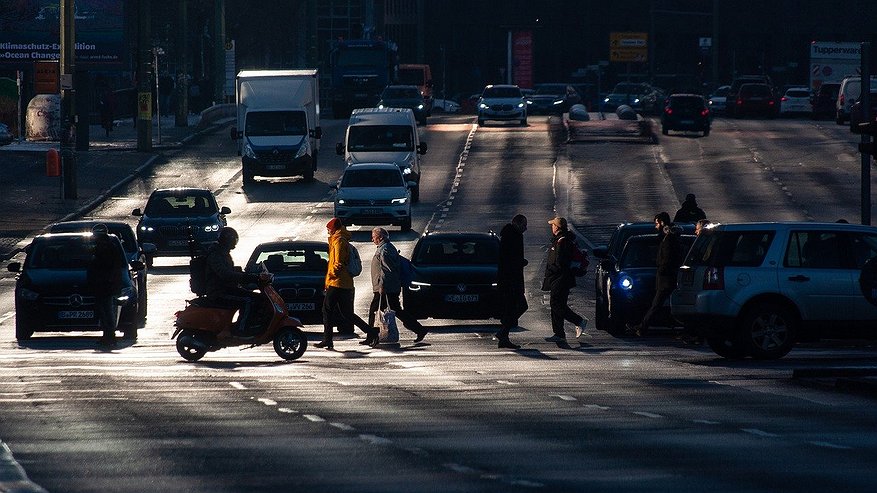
(522, 54)
(30, 31)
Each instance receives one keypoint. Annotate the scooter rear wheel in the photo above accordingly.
(187, 350)
(290, 343)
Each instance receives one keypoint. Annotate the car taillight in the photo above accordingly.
(842, 99)
(669, 111)
(739, 101)
(714, 278)
(770, 103)
(784, 98)
(704, 112)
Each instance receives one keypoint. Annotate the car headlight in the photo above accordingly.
(636, 101)
(417, 285)
(559, 101)
(401, 200)
(420, 106)
(625, 283)
(304, 149)
(529, 102)
(483, 106)
(126, 295)
(380, 106)
(520, 105)
(147, 229)
(340, 201)
(28, 295)
(211, 228)
(249, 152)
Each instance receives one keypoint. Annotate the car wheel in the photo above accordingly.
(406, 224)
(415, 194)
(665, 130)
(706, 132)
(769, 330)
(247, 176)
(23, 329)
(726, 347)
(422, 121)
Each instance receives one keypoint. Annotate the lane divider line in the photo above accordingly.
(237, 385)
(646, 414)
(760, 433)
(313, 418)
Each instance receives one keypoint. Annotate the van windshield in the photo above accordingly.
(272, 123)
(380, 138)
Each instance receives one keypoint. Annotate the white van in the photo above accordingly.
(385, 135)
(849, 92)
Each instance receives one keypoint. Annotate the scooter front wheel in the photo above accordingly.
(290, 343)
(189, 348)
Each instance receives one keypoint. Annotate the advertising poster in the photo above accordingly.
(522, 58)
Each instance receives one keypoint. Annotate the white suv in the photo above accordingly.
(373, 194)
(502, 102)
(757, 288)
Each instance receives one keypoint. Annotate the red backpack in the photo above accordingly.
(579, 262)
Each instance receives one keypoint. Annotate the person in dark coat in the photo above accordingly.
(669, 259)
(510, 278)
(223, 279)
(689, 212)
(559, 280)
(104, 278)
(387, 287)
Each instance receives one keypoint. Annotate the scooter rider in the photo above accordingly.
(223, 279)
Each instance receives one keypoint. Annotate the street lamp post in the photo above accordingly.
(68, 111)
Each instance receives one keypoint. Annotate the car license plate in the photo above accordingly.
(687, 122)
(371, 212)
(300, 307)
(461, 298)
(275, 166)
(177, 243)
(71, 314)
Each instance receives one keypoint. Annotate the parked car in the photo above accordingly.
(718, 100)
(134, 252)
(628, 93)
(373, 194)
(405, 97)
(52, 291)
(630, 283)
(686, 112)
(608, 256)
(179, 221)
(737, 83)
(6, 136)
(848, 93)
(823, 101)
(455, 276)
(552, 99)
(445, 106)
(796, 100)
(502, 102)
(299, 269)
(755, 100)
(757, 288)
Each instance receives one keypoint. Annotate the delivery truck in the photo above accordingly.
(278, 123)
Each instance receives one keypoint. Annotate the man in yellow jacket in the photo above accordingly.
(338, 301)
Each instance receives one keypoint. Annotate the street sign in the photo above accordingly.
(628, 47)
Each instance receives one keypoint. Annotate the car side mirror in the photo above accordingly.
(224, 210)
(421, 149)
(339, 149)
(317, 133)
(233, 133)
(137, 212)
(333, 187)
(148, 248)
(137, 265)
(14, 267)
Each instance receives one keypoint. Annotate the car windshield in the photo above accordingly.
(458, 251)
(640, 252)
(355, 178)
(400, 93)
(65, 253)
(501, 92)
(181, 205)
(386, 138)
(293, 259)
(123, 232)
(722, 91)
(269, 123)
(551, 89)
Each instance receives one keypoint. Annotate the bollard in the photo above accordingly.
(53, 163)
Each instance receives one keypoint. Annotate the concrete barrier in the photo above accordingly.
(625, 112)
(578, 112)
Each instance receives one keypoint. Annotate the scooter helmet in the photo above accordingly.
(228, 237)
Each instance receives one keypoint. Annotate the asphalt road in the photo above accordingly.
(455, 413)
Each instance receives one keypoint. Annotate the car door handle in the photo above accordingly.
(799, 278)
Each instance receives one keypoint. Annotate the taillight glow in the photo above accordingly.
(739, 101)
(714, 278)
(669, 111)
(704, 112)
(784, 98)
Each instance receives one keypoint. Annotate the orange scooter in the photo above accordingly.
(204, 326)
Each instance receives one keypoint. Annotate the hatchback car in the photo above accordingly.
(405, 97)
(626, 93)
(52, 291)
(737, 83)
(299, 269)
(718, 100)
(180, 222)
(849, 92)
(502, 102)
(134, 252)
(552, 99)
(755, 100)
(757, 288)
(373, 194)
(796, 100)
(687, 112)
(454, 276)
(823, 100)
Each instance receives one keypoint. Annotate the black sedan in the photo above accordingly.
(52, 291)
(405, 97)
(299, 269)
(630, 284)
(455, 277)
(686, 112)
(552, 99)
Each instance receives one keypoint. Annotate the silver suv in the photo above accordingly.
(756, 288)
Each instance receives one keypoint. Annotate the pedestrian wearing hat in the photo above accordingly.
(559, 280)
(689, 212)
(338, 300)
(510, 278)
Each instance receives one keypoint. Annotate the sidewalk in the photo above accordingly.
(30, 200)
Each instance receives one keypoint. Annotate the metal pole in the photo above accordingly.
(182, 114)
(157, 94)
(68, 110)
(144, 93)
(715, 43)
(18, 124)
(865, 100)
(509, 58)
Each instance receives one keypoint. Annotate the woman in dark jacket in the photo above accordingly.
(513, 302)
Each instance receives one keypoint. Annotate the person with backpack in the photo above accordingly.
(338, 300)
(510, 279)
(387, 286)
(669, 259)
(560, 278)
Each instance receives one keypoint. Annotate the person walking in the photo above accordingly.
(668, 260)
(337, 302)
(559, 280)
(689, 212)
(387, 287)
(510, 278)
(104, 278)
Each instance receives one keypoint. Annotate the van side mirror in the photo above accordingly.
(137, 212)
(421, 149)
(14, 267)
(233, 133)
(317, 133)
(339, 149)
(224, 210)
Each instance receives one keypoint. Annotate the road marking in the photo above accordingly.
(830, 445)
(460, 468)
(267, 402)
(286, 410)
(564, 397)
(506, 382)
(596, 407)
(705, 422)
(375, 440)
(343, 426)
(648, 414)
(314, 418)
(760, 433)
(237, 385)
(6, 316)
